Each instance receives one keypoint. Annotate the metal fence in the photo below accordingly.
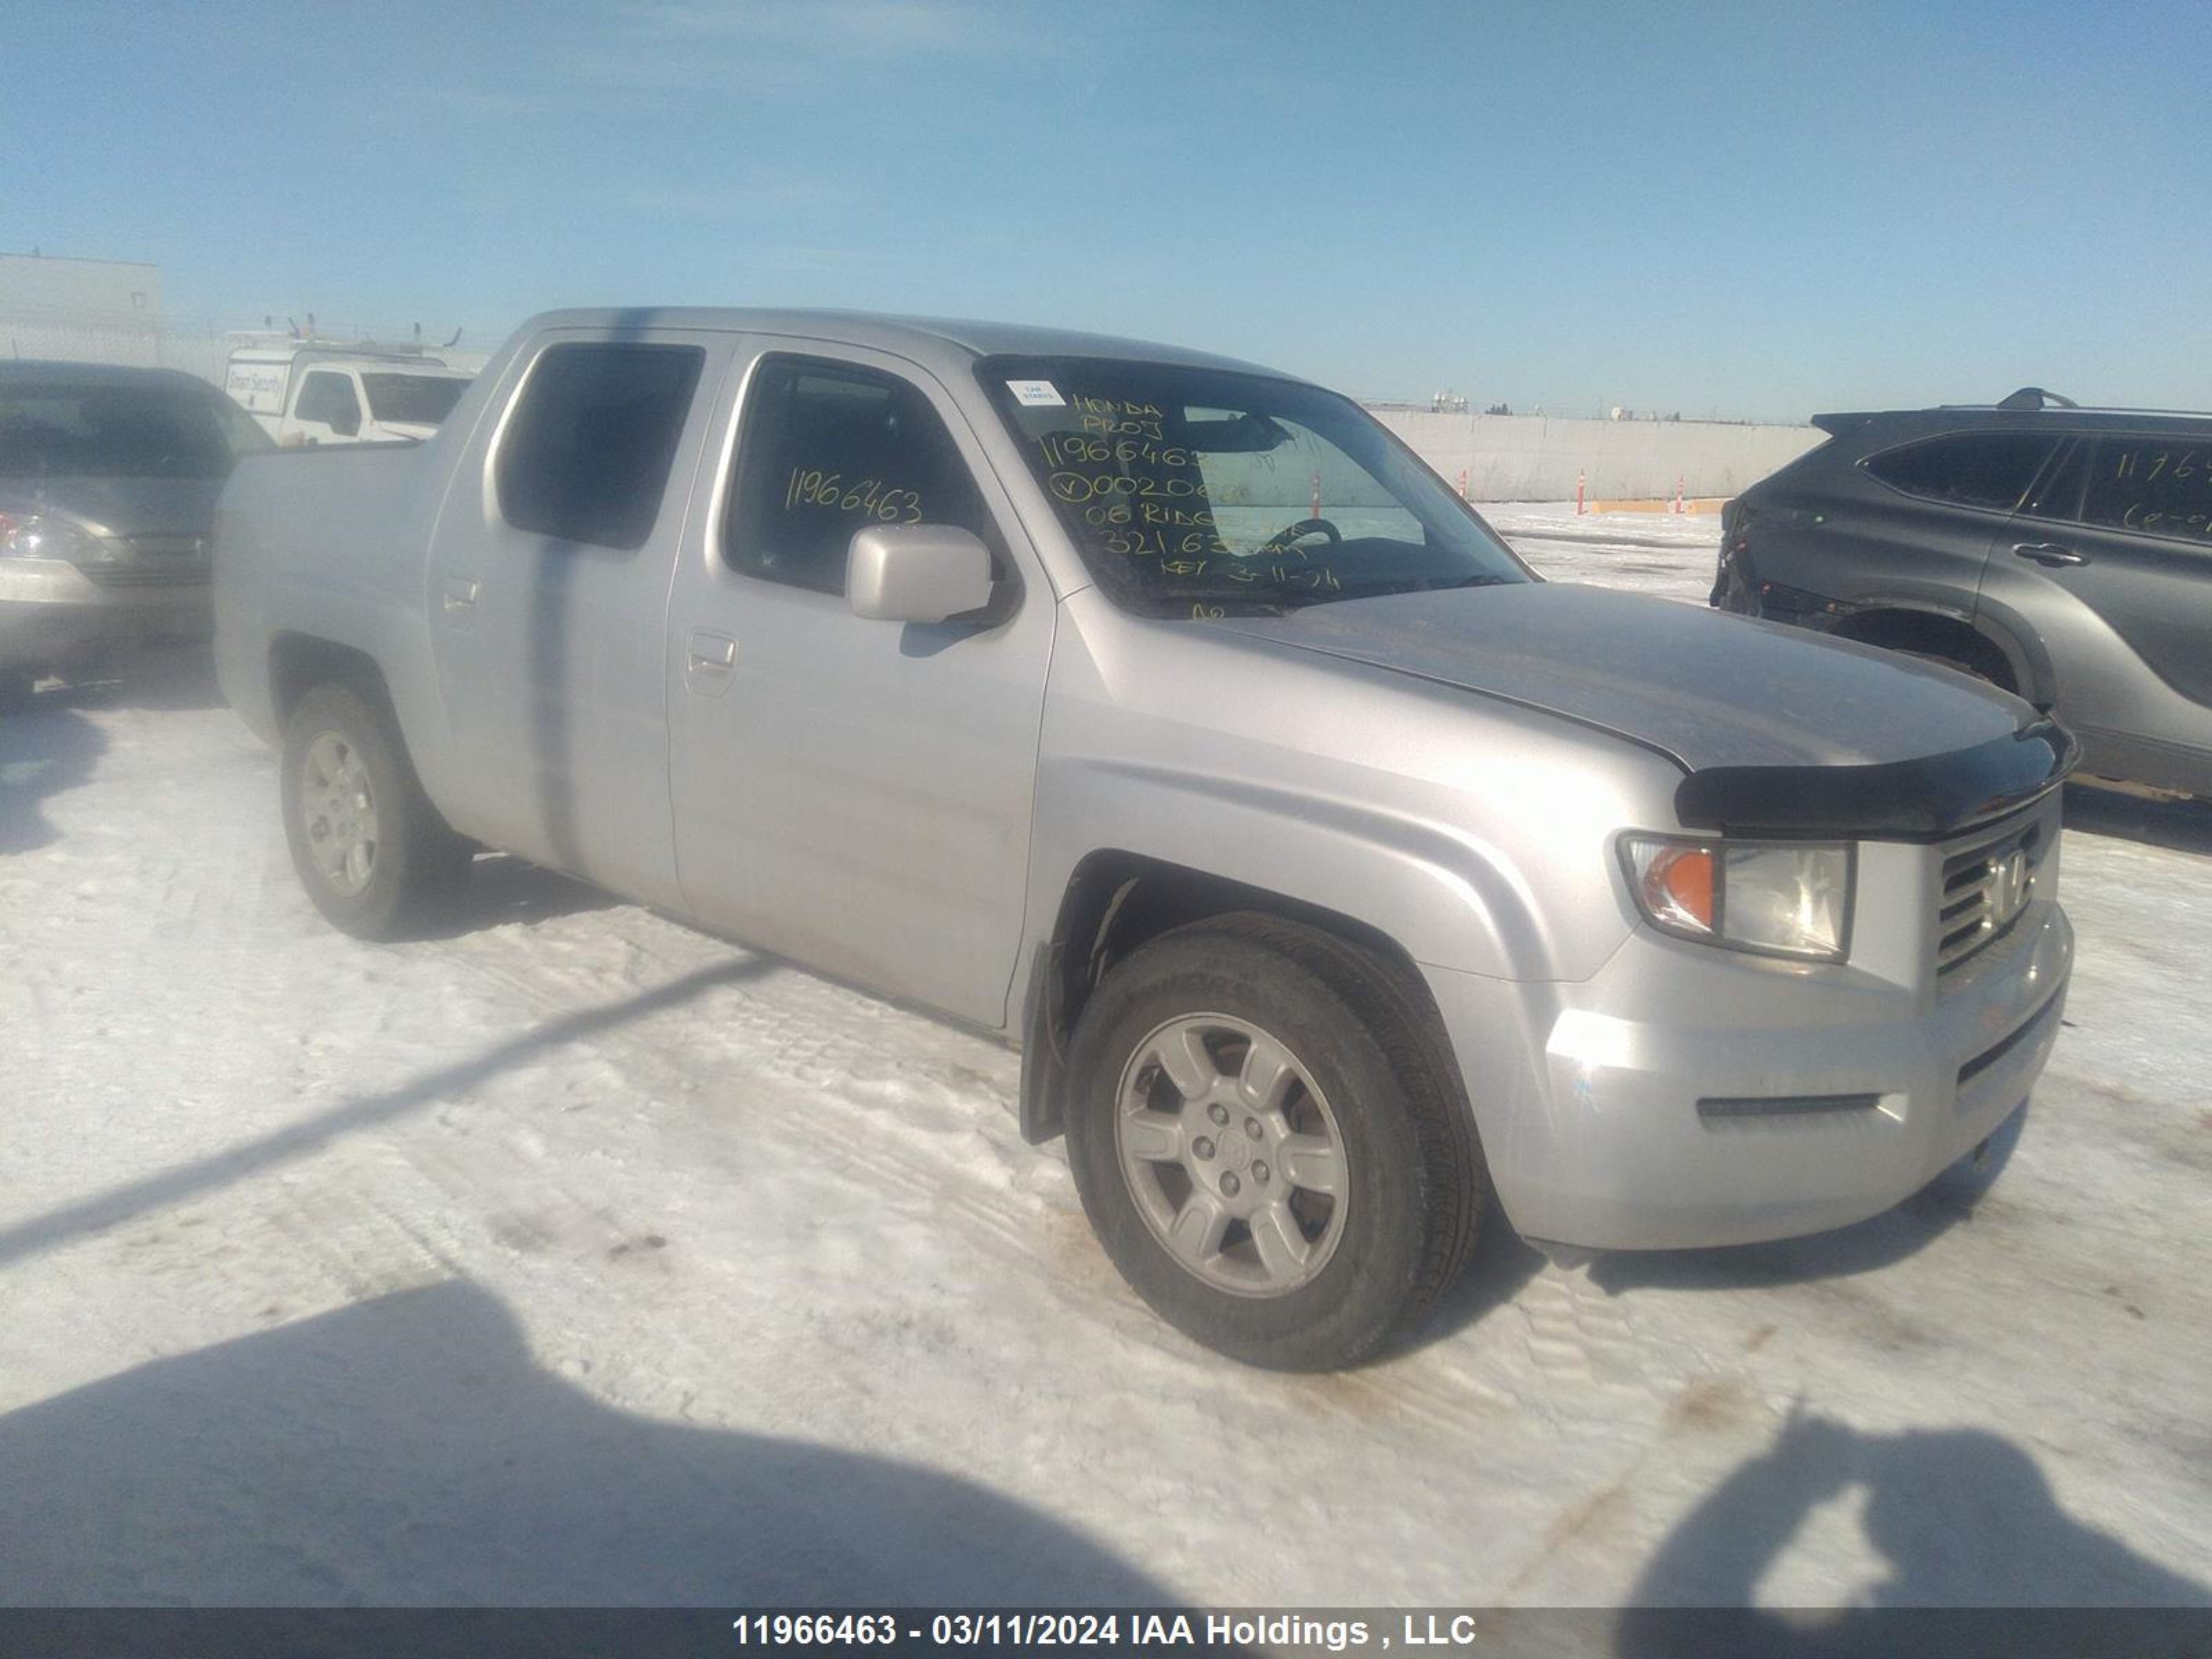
(199, 348)
(77, 339)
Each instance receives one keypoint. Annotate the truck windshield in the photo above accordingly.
(1198, 492)
(115, 429)
(413, 400)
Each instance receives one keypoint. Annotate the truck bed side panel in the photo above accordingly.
(331, 544)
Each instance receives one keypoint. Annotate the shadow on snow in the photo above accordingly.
(408, 1450)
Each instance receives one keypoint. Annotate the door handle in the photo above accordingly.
(460, 593)
(713, 659)
(2049, 553)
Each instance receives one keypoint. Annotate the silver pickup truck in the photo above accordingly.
(1165, 716)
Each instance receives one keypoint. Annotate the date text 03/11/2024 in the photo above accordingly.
(1334, 1634)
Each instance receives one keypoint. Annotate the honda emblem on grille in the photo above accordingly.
(2008, 880)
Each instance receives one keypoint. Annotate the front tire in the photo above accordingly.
(370, 849)
(1269, 1145)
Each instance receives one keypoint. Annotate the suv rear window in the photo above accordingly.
(586, 456)
(1990, 469)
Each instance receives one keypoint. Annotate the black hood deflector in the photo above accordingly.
(1929, 798)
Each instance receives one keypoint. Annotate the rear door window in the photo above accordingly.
(2057, 495)
(1988, 470)
(2156, 486)
(831, 448)
(587, 451)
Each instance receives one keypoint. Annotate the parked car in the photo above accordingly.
(306, 394)
(2061, 553)
(108, 478)
(1333, 873)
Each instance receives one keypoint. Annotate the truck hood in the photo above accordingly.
(1778, 727)
(119, 507)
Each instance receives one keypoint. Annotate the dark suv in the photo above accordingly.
(2063, 553)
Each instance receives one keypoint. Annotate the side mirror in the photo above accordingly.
(916, 573)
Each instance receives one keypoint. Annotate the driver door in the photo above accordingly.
(851, 793)
(327, 410)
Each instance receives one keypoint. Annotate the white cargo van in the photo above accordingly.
(308, 393)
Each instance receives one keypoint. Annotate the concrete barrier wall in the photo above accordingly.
(1507, 458)
(1534, 457)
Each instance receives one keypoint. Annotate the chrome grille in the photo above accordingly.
(148, 559)
(1985, 888)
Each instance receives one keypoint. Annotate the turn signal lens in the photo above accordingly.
(1779, 898)
(1678, 888)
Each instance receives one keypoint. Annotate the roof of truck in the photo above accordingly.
(942, 343)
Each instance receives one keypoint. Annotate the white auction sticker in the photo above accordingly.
(1035, 394)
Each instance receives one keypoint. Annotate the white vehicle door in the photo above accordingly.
(852, 792)
(327, 409)
(548, 592)
(257, 387)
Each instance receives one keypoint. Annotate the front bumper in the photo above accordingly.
(1685, 1096)
(52, 614)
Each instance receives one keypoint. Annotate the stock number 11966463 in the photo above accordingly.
(870, 497)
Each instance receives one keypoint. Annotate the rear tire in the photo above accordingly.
(16, 696)
(372, 851)
(1211, 1074)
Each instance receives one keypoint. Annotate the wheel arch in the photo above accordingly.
(1931, 630)
(299, 662)
(1113, 902)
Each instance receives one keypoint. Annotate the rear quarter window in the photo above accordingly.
(586, 452)
(1987, 470)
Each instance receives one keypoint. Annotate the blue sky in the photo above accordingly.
(1761, 211)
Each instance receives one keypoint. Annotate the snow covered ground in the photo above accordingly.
(1668, 554)
(575, 1257)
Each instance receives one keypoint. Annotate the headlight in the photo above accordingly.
(1780, 898)
(35, 536)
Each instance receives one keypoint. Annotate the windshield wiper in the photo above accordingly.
(1281, 597)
